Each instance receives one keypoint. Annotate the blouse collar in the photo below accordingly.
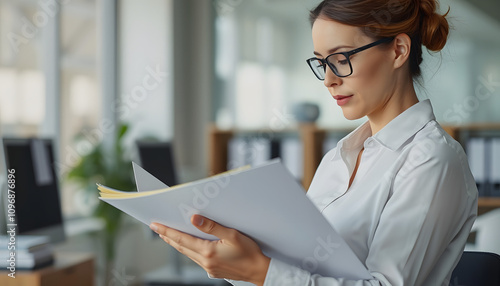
(395, 133)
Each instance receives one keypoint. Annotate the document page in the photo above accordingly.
(266, 203)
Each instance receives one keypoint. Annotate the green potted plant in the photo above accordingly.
(111, 168)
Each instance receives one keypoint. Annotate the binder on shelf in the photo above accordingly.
(237, 153)
(260, 150)
(476, 153)
(292, 154)
(245, 150)
(494, 169)
(248, 150)
(275, 149)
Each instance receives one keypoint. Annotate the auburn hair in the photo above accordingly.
(381, 18)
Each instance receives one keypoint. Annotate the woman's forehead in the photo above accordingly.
(328, 34)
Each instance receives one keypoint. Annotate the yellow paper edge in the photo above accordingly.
(107, 193)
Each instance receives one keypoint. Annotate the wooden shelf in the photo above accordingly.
(478, 126)
(312, 138)
(488, 202)
(76, 269)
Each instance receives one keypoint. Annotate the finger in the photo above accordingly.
(211, 227)
(196, 257)
(182, 239)
(174, 235)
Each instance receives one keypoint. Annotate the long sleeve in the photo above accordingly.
(282, 274)
(425, 223)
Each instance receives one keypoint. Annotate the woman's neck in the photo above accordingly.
(400, 100)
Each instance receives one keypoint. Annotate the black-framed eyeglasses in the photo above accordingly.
(339, 63)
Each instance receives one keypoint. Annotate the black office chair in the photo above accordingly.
(158, 159)
(477, 269)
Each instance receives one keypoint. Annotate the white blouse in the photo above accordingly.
(409, 210)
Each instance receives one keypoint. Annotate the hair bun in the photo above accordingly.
(434, 27)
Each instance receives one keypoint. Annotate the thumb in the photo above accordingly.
(211, 227)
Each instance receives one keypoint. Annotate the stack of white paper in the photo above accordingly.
(264, 202)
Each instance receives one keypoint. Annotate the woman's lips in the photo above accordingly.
(342, 99)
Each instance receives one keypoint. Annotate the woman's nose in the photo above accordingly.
(331, 79)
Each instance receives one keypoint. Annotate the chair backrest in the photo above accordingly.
(487, 228)
(158, 159)
(477, 268)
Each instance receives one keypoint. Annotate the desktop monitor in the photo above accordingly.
(37, 203)
(158, 159)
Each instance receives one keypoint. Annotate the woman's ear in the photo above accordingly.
(402, 47)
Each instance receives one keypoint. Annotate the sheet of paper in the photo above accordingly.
(145, 181)
(265, 203)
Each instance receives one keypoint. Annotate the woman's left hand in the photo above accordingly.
(235, 256)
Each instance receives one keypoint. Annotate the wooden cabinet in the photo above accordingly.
(312, 138)
(461, 134)
(486, 204)
(68, 269)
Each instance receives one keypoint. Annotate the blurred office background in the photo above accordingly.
(71, 70)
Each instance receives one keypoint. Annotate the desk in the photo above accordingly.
(68, 269)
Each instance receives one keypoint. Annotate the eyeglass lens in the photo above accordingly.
(339, 62)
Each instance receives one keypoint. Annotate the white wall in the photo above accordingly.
(463, 81)
(451, 78)
(145, 47)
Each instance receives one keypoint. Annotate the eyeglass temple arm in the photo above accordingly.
(384, 40)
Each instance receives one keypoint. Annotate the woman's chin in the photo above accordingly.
(351, 114)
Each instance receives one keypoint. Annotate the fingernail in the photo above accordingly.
(153, 227)
(198, 220)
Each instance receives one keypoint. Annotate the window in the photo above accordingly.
(26, 42)
(22, 83)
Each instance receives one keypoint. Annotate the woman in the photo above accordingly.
(398, 189)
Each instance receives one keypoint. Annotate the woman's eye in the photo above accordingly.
(344, 62)
(320, 64)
